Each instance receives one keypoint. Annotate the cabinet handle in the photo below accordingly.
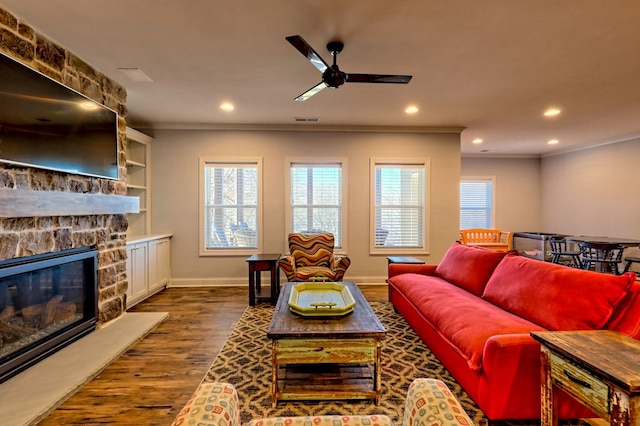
(576, 380)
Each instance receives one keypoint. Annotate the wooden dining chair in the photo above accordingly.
(629, 261)
(564, 252)
(602, 257)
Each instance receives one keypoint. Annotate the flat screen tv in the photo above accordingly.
(47, 125)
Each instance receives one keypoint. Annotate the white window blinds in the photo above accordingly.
(230, 205)
(399, 203)
(316, 198)
(476, 203)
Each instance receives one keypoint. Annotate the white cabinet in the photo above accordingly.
(138, 150)
(148, 267)
(159, 263)
(137, 275)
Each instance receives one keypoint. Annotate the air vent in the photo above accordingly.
(135, 74)
(305, 119)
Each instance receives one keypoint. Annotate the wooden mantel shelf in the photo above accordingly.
(29, 203)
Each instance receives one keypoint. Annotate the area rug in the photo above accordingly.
(245, 361)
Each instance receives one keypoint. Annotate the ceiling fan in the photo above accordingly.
(331, 74)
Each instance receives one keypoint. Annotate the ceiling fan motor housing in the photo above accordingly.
(333, 77)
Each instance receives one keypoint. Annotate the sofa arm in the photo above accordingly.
(510, 366)
(429, 401)
(411, 268)
(504, 349)
(372, 420)
(212, 403)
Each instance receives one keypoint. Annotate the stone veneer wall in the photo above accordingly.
(25, 236)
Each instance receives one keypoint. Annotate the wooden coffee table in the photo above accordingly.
(325, 358)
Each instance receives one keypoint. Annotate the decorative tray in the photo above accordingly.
(321, 300)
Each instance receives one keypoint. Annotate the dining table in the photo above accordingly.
(605, 243)
(625, 242)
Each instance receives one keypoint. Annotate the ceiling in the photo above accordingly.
(492, 67)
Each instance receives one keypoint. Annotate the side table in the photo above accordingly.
(599, 368)
(258, 263)
(404, 259)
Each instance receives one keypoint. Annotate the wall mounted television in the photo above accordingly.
(47, 125)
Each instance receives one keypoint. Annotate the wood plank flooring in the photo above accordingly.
(151, 382)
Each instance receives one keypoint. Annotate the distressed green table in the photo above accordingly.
(325, 358)
(599, 368)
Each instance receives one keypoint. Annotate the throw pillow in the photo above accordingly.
(554, 296)
(469, 267)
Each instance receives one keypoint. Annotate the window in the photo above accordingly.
(476, 203)
(316, 191)
(399, 211)
(230, 214)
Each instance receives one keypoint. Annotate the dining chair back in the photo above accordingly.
(564, 252)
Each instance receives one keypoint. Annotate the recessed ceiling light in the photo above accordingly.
(553, 142)
(551, 112)
(227, 106)
(477, 141)
(412, 109)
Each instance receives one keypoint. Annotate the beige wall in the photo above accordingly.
(174, 186)
(517, 186)
(588, 192)
(593, 191)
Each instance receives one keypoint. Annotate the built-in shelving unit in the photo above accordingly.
(138, 180)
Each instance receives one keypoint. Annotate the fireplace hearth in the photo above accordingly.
(46, 302)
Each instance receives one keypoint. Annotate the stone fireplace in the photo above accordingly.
(44, 212)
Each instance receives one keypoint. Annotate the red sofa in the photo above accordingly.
(476, 308)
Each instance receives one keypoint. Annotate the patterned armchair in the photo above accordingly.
(311, 257)
(429, 402)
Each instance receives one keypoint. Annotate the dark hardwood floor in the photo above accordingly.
(151, 382)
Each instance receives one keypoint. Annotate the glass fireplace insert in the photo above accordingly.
(46, 302)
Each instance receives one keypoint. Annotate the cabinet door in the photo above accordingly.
(159, 263)
(136, 272)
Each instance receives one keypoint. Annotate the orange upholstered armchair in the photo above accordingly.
(311, 256)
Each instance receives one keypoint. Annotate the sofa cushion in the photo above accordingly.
(469, 267)
(555, 296)
(464, 320)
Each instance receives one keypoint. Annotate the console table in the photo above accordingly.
(599, 368)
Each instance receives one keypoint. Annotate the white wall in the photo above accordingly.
(174, 186)
(517, 186)
(593, 191)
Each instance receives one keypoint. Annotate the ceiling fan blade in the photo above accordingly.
(309, 93)
(378, 78)
(303, 47)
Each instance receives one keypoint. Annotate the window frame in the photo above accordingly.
(315, 161)
(484, 179)
(203, 162)
(423, 162)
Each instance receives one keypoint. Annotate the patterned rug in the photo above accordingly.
(245, 361)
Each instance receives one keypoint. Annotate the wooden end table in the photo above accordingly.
(326, 358)
(404, 259)
(599, 368)
(258, 263)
